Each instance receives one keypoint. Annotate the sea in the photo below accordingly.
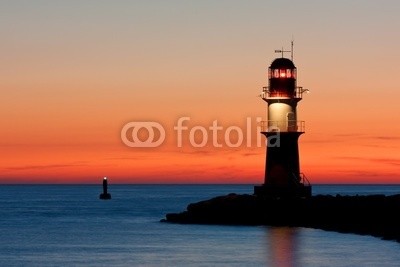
(67, 225)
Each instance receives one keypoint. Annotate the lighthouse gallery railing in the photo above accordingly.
(297, 94)
(283, 126)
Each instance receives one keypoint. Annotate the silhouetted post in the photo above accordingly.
(105, 184)
(105, 194)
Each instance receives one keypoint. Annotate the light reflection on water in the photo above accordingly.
(282, 246)
(286, 246)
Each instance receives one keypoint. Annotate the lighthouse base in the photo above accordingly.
(301, 191)
(105, 196)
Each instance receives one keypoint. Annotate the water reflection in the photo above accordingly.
(282, 246)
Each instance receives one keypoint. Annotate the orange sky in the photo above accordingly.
(73, 74)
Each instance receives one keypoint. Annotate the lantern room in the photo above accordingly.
(282, 78)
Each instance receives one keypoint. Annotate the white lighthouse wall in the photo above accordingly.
(278, 114)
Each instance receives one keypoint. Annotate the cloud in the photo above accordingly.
(389, 161)
(136, 157)
(250, 154)
(327, 138)
(350, 135)
(197, 152)
(387, 137)
(360, 173)
(395, 162)
(49, 166)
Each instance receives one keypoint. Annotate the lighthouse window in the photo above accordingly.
(282, 73)
(276, 73)
(288, 73)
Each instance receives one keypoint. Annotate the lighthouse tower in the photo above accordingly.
(283, 177)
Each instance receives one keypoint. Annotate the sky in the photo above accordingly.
(74, 73)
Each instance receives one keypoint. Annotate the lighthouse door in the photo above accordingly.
(291, 122)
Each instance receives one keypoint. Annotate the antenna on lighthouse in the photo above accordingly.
(287, 51)
(292, 44)
(282, 51)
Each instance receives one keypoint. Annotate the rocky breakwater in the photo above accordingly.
(376, 215)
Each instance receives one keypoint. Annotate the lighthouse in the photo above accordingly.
(105, 194)
(282, 129)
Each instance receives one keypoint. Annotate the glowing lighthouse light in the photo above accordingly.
(283, 177)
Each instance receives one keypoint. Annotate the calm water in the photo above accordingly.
(53, 225)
